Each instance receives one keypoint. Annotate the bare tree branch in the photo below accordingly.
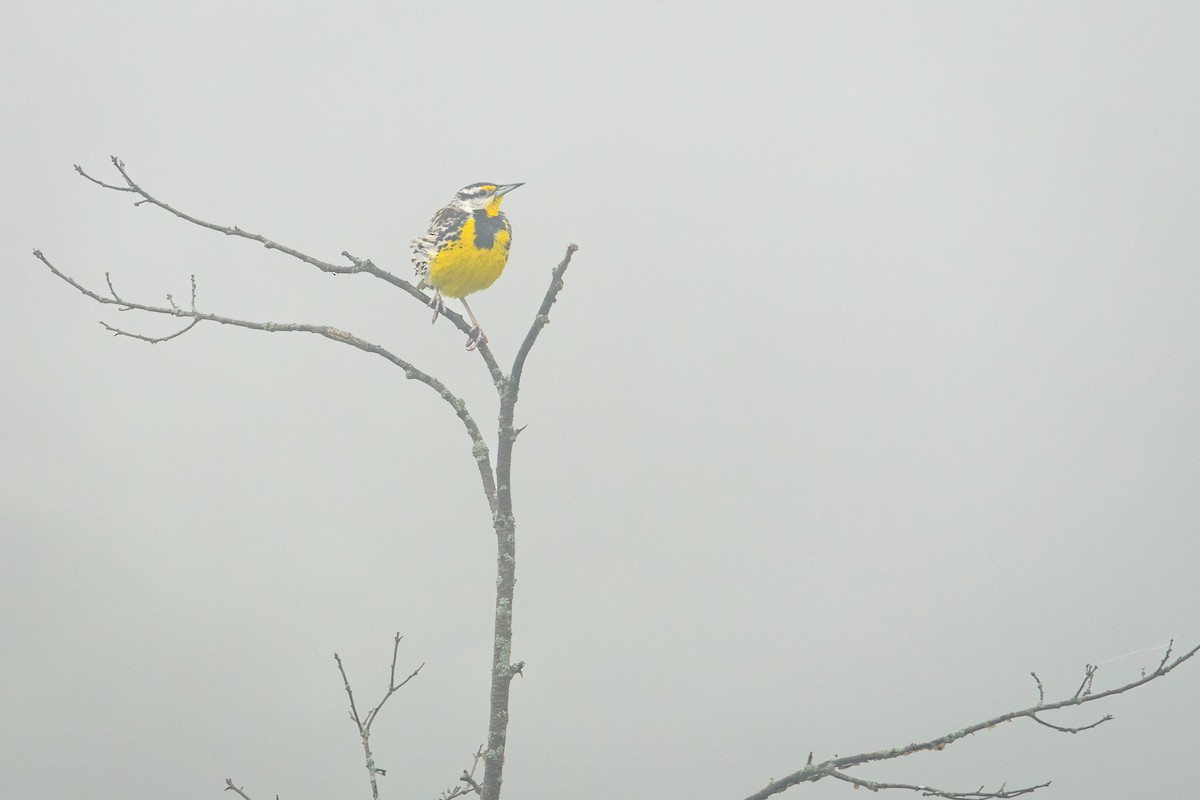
(133, 187)
(834, 767)
(1080, 729)
(479, 446)
(541, 320)
(364, 724)
(392, 685)
(150, 339)
(1085, 688)
(357, 265)
(929, 791)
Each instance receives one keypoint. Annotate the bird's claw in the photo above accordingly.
(475, 338)
(437, 304)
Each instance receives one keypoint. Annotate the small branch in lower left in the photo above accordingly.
(364, 723)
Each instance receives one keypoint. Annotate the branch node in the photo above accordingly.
(229, 787)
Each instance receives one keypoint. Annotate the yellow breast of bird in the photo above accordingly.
(473, 261)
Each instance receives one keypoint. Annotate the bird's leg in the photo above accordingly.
(437, 304)
(476, 337)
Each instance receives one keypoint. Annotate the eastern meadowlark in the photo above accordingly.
(465, 249)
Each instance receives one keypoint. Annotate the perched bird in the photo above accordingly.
(465, 249)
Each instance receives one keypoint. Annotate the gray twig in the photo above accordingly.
(470, 785)
(364, 724)
(928, 791)
(1062, 729)
(150, 339)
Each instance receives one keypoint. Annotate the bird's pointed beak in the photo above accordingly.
(508, 188)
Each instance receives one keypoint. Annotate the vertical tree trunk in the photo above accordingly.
(503, 668)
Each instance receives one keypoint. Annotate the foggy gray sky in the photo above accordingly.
(872, 388)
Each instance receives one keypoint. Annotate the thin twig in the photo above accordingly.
(349, 692)
(928, 791)
(364, 734)
(325, 266)
(1167, 655)
(1085, 688)
(471, 786)
(150, 339)
(393, 687)
(111, 290)
(541, 319)
(1062, 729)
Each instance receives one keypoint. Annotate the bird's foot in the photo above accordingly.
(437, 304)
(475, 338)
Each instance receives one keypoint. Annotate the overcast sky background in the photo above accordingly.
(873, 387)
